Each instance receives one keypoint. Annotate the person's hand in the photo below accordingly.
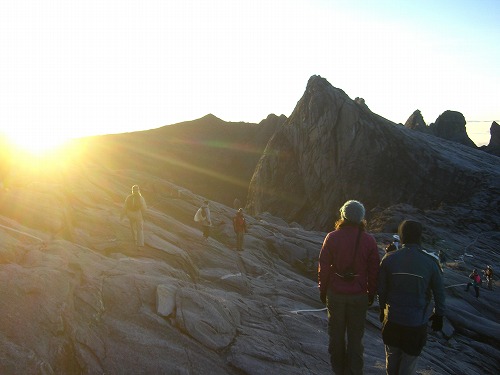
(381, 315)
(322, 296)
(437, 322)
(371, 298)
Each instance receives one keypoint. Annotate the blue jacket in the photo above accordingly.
(408, 278)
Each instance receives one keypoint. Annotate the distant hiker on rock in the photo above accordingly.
(347, 279)
(406, 279)
(488, 274)
(394, 245)
(203, 217)
(476, 282)
(240, 228)
(135, 209)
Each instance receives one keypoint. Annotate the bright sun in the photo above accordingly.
(35, 143)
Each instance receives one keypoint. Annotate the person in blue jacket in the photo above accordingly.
(407, 280)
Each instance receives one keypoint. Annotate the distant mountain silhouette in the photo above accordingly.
(210, 156)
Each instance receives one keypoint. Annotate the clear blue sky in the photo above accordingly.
(74, 68)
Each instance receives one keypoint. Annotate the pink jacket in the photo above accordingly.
(336, 256)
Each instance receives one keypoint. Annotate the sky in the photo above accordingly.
(77, 68)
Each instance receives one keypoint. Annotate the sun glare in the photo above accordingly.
(35, 144)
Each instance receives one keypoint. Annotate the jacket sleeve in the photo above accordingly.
(373, 267)
(324, 266)
(438, 292)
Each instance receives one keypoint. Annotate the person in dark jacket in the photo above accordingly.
(134, 209)
(240, 228)
(406, 279)
(347, 278)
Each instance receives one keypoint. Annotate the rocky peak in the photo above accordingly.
(450, 125)
(494, 145)
(416, 122)
(495, 134)
(330, 150)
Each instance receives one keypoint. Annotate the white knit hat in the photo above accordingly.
(353, 211)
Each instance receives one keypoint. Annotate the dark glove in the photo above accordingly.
(437, 322)
(381, 315)
(322, 296)
(371, 297)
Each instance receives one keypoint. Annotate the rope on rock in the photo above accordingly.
(308, 310)
(43, 245)
(452, 286)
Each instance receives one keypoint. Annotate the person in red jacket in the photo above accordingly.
(476, 282)
(240, 228)
(347, 279)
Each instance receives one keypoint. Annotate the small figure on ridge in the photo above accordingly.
(240, 228)
(135, 209)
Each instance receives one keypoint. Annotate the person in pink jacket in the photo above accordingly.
(347, 278)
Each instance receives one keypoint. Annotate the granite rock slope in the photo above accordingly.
(80, 298)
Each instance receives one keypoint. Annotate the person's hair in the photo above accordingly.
(410, 232)
(346, 223)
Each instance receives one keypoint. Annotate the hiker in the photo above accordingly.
(135, 209)
(203, 216)
(394, 245)
(347, 280)
(476, 282)
(406, 279)
(488, 274)
(240, 228)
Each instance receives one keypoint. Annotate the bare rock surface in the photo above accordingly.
(85, 300)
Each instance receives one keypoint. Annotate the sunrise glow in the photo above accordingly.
(81, 68)
(36, 144)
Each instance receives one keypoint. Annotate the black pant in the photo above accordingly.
(476, 288)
